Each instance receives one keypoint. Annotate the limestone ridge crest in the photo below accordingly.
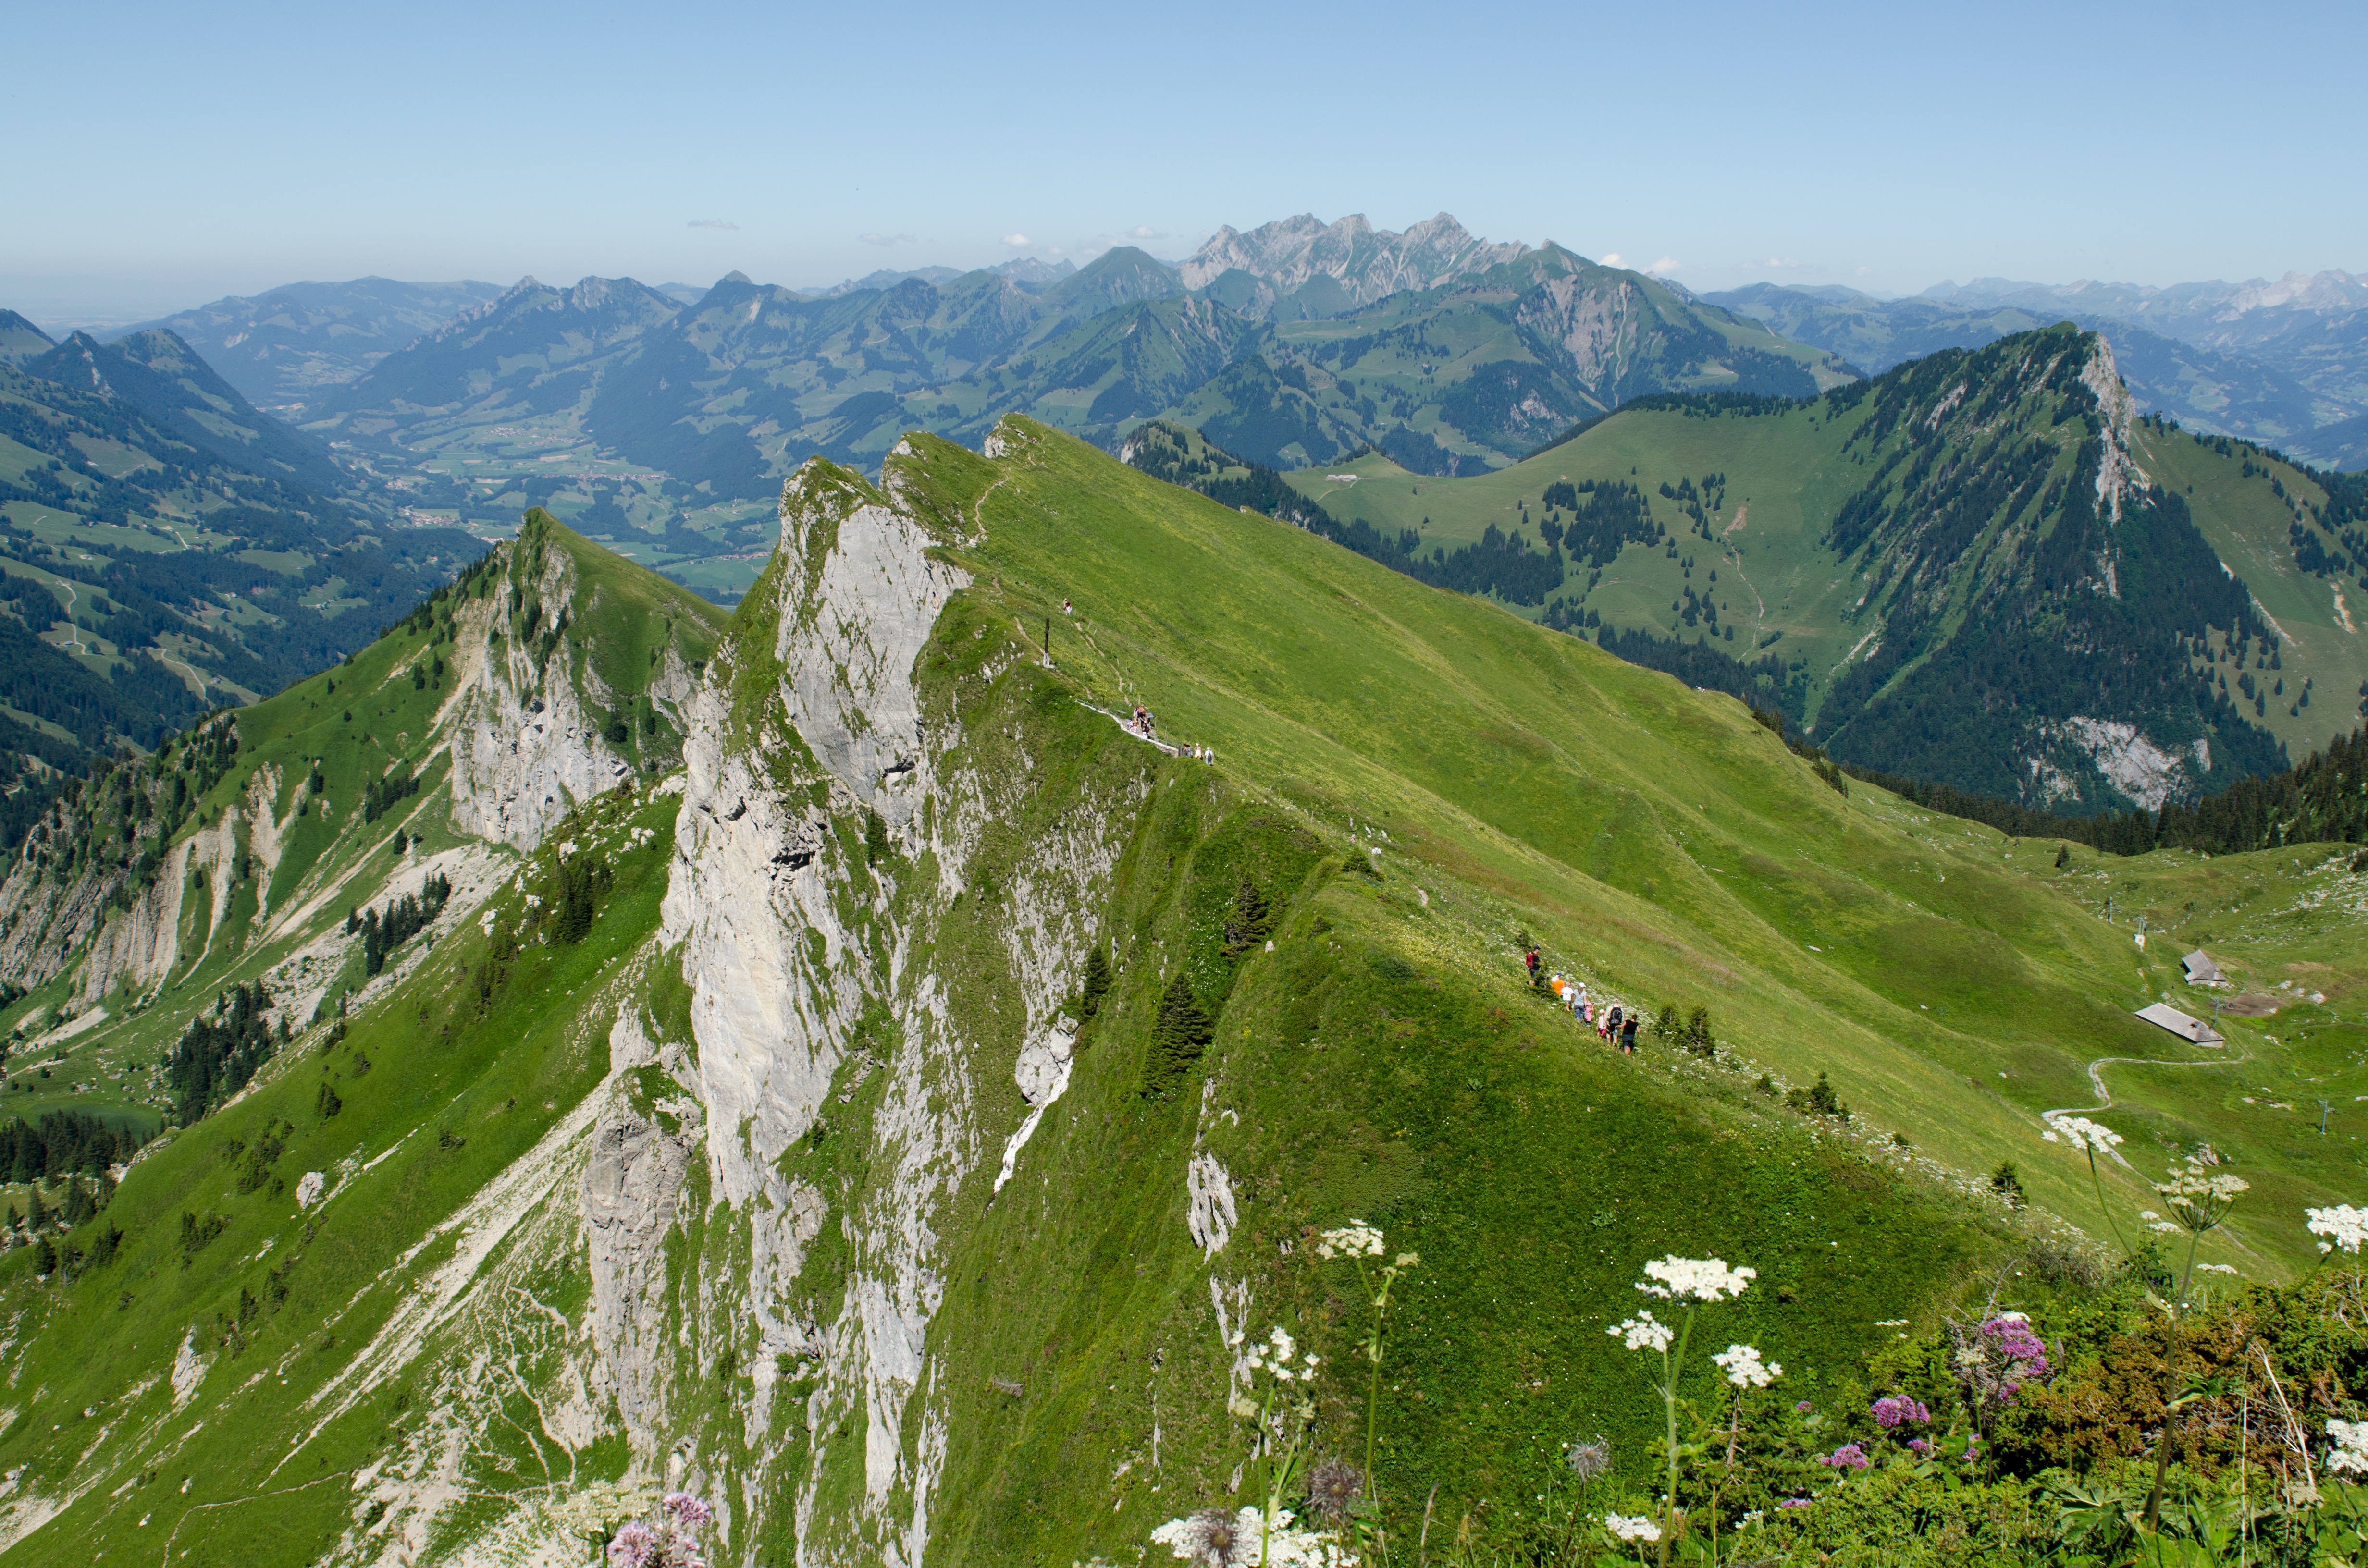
(855, 597)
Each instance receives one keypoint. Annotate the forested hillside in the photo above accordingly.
(1981, 570)
(164, 551)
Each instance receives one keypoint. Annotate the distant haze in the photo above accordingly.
(1886, 148)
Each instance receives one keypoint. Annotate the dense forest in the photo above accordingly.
(62, 1141)
(2323, 800)
(221, 1051)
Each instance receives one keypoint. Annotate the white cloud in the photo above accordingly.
(712, 224)
(1054, 251)
(1145, 232)
(1663, 268)
(1016, 240)
(1775, 262)
(886, 239)
(1612, 259)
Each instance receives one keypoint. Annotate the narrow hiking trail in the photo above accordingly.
(2105, 1102)
(2105, 1096)
(73, 633)
(1734, 560)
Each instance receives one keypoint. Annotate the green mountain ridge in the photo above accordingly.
(892, 1114)
(158, 375)
(1981, 570)
(2285, 376)
(282, 348)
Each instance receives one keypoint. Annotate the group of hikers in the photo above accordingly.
(1613, 1023)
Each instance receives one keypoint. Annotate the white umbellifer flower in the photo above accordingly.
(1355, 1239)
(1643, 1331)
(2217, 1268)
(1274, 1358)
(2343, 1225)
(2083, 1134)
(1277, 1541)
(2200, 1195)
(2165, 1226)
(1636, 1528)
(1695, 1278)
(2148, 1214)
(2350, 1452)
(1744, 1368)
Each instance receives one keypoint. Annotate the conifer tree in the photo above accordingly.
(1177, 1039)
(1097, 983)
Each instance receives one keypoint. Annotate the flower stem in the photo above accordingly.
(1672, 1368)
(2106, 1208)
(2170, 1384)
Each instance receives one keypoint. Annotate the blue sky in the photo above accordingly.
(163, 155)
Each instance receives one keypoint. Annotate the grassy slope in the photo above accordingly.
(1784, 590)
(496, 1079)
(448, 1099)
(1655, 840)
(1654, 834)
(1385, 1061)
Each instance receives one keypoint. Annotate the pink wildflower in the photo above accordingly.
(1896, 1410)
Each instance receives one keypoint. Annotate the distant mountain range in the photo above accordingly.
(1308, 342)
(663, 418)
(281, 348)
(1027, 271)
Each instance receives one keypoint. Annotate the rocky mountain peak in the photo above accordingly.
(1366, 262)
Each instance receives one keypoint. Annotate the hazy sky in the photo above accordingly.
(163, 155)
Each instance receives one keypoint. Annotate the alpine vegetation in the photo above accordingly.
(594, 1078)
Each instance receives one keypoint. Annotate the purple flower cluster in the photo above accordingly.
(1894, 1409)
(2011, 1341)
(1793, 1503)
(1921, 1444)
(1850, 1456)
(669, 1539)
